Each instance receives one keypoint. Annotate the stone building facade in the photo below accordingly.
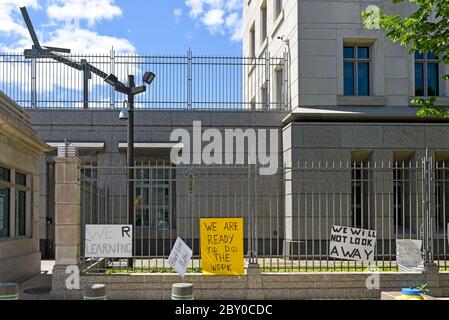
(20, 154)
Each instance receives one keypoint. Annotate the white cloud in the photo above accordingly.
(218, 16)
(177, 12)
(9, 13)
(58, 31)
(90, 10)
(87, 41)
(234, 22)
(213, 19)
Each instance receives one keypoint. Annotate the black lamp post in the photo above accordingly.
(130, 90)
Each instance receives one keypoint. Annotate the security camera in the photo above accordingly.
(124, 115)
(282, 38)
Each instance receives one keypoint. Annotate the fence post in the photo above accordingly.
(189, 79)
(67, 207)
(429, 264)
(33, 83)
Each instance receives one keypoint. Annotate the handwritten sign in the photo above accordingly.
(409, 255)
(108, 241)
(222, 246)
(180, 256)
(352, 243)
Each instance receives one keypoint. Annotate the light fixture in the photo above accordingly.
(148, 77)
(124, 114)
(111, 80)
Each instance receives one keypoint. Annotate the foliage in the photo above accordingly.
(425, 30)
(423, 288)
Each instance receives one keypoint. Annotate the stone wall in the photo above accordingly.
(254, 285)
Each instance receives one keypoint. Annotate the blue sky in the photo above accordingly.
(137, 26)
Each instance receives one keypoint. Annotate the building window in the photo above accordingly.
(441, 195)
(155, 191)
(360, 179)
(252, 42)
(356, 70)
(13, 184)
(278, 6)
(263, 22)
(4, 212)
(4, 202)
(401, 197)
(426, 74)
(21, 208)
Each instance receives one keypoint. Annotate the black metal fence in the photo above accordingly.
(182, 82)
(288, 216)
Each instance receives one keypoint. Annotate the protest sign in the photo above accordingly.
(409, 255)
(108, 241)
(180, 256)
(352, 243)
(222, 246)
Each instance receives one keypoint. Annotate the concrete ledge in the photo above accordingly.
(361, 100)
(256, 286)
(21, 268)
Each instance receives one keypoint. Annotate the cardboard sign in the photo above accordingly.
(409, 255)
(222, 246)
(180, 256)
(352, 243)
(108, 241)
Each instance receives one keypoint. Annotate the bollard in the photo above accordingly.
(94, 292)
(9, 291)
(182, 291)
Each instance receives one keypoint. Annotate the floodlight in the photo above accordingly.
(148, 77)
(111, 80)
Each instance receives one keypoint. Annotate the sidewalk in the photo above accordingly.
(39, 286)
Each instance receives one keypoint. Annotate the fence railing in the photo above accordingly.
(288, 216)
(182, 82)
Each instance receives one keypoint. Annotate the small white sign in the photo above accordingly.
(352, 243)
(180, 256)
(409, 255)
(108, 241)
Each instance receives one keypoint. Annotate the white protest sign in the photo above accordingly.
(180, 256)
(409, 255)
(352, 243)
(108, 241)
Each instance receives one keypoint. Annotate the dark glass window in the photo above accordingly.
(4, 212)
(155, 189)
(20, 213)
(348, 52)
(432, 79)
(356, 70)
(4, 174)
(426, 74)
(360, 187)
(21, 179)
(419, 79)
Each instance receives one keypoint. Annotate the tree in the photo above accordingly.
(425, 30)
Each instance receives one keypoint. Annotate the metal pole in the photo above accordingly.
(86, 77)
(130, 156)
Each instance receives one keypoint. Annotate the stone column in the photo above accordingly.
(67, 210)
(255, 285)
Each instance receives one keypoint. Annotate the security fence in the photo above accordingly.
(287, 216)
(182, 81)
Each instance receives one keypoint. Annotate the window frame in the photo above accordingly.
(263, 22)
(278, 7)
(252, 41)
(425, 61)
(148, 188)
(13, 189)
(355, 62)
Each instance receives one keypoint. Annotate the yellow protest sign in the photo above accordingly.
(222, 246)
